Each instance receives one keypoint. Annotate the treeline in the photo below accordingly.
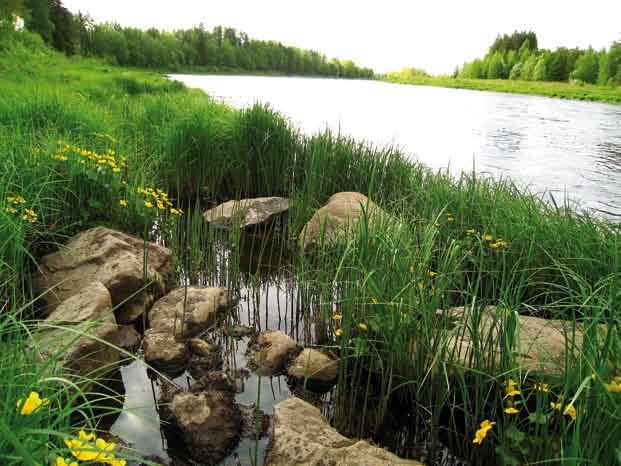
(221, 48)
(518, 57)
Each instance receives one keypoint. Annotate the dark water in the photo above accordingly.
(553, 146)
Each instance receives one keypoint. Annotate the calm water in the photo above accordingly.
(550, 145)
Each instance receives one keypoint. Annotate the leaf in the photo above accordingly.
(539, 418)
(506, 456)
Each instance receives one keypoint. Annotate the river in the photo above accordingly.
(553, 147)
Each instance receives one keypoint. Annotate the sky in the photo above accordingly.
(385, 35)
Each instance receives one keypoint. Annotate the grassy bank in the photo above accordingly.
(560, 90)
(390, 276)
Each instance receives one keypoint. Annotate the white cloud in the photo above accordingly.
(384, 35)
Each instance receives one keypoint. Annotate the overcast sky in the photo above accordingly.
(436, 35)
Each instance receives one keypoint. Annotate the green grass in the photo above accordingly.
(558, 263)
(589, 92)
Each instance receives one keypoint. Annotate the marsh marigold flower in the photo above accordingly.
(32, 403)
(338, 332)
(337, 317)
(511, 411)
(511, 388)
(60, 461)
(542, 387)
(123, 203)
(362, 326)
(481, 433)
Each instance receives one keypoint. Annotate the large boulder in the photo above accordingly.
(339, 215)
(539, 344)
(270, 351)
(109, 257)
(209, 422)
(83, 331)
(246, 212)
(314, 366)
(302, 437)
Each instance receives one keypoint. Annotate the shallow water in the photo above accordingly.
(550, 145)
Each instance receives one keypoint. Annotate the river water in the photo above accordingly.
(551, 146)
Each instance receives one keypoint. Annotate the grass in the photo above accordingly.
(589, 92)
(401, 370)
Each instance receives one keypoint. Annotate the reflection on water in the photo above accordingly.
(549, 145)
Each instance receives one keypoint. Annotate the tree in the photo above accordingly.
(11, 8)
(516, 72)
(587, 67)
(38, 18)
(540, 72)
(64, 35)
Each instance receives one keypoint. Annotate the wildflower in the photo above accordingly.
(362, 326)
(160, 205)
(542, 387)
(570, 411)
(511, 389)
(16, 200)
(337, 317)
(177, 212)
(86, 437)
(32, 403)
(338, 332)
(30, 216)
(450, 218)
(481, 433)
(488, 237)
(493, 246)
(116, 170)
(471, 231)
(614, 386)
(123, 203)
(148, 204)
(432, 274)
(60, 461)
(11, 210)
(61, 157)
(374, 301)
(511, 410)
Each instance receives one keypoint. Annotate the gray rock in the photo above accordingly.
(302, 437)
(246, 212)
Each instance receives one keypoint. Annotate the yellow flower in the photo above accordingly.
(432, 274)
(555, 406)
(374, 301)
(511, 410)
(11, 210)
(511, 389)
(116, 170)
(471, 231)
(32, 403)
(29, 216)
(60, 461)
(177, 212)
(86, 437)
(338, 332)
(480, 434)
(488, 237)
(450, 219)
(362, 326)
(116, 462)
(613, 387)
(16, 200)
(160, 205)
(123, 202)
(570, 411)
(148, 204)
(493, 246)
(83, 451)
(337, 317)
(542, 387)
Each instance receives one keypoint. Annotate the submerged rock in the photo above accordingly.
(540, 344)
(302, 437)
(314, 367)
(246, 212)
(204, 357)
(208, 421)
(186, 313)
(340, 215)
(270, 352)
(106, 256)
(83, 328)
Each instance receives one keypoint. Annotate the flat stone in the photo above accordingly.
(270, 351)
(339, 215)
(314, 366)
(302, 437)
(106, 256)
(246, 212)
(84, 328)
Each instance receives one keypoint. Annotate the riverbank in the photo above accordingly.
(588, 92)
(85, 145)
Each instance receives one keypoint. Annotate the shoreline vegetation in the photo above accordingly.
(86, 144)
(561, 90)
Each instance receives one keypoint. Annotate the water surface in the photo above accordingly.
(549, 145)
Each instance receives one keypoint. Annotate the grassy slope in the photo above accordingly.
(561, 263)
(589, 92)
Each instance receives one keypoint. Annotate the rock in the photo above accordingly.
(204, 357)
(203, 307)
(339, 215)
(85, 332)
(270, 352)
(134, 308)
(164, 352)
(128, 338)
(238, 331)
(246, 212)
(541, 344)
(209, 423)
(314, 366)
(107, 256)
(302, 437)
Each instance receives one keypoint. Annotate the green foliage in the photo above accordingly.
(517, 41)
(38, 19)
(587, 67)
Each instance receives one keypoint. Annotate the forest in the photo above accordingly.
(221, 49)
(518, 57)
